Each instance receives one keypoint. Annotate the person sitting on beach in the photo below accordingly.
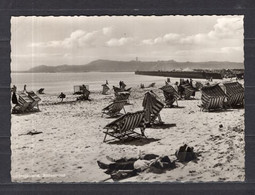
(62, 96)
(123, 168)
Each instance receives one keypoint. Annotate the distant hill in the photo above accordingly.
(131, 66)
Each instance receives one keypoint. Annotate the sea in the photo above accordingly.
(64, 82)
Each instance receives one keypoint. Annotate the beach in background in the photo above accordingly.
(71, 138)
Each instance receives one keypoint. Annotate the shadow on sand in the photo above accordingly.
(136, 141)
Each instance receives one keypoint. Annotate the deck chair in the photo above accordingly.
(24, 103)
(235, 94)
(84, 96)
(41, 91)
(152, 106)
(114, 108)
(212, 97)
(188, 90)
(105, 89)
(122, 96)
(170, 94)
(151, 85)
(125, 126)
(35, 99)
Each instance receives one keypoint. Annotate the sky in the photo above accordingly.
(79, 40)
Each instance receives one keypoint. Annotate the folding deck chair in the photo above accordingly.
(114, 108)
(24, 103)
(235, 94)
(84, 96)
(152, 106)
(188, 90)
(170, 94)
(35, 99)
(105, 89)
(121, 96)
(125, 126)
(213, 97)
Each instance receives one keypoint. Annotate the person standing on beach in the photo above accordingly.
(14, 96)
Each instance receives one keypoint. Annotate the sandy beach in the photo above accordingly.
(71, 141)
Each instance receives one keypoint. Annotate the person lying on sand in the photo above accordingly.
(124, 168)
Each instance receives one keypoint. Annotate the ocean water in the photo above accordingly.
(65, 82)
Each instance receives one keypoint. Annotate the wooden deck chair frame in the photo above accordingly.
(36, 99)
(121, 96)
(114, 108)
(125, 126)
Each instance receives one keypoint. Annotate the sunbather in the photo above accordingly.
(123, 168)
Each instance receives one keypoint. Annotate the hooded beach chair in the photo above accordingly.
(212, 97)
(114, 108)
(41, 91)
(125, 126)
(235, 94)
(171, 95)
(85, 94)
(152, 106)
(188, 90)
(105, 89)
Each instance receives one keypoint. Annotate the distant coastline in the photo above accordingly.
(132, 66)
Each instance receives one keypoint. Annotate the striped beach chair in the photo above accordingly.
(35, 99)
(235, 94)
(171, 95)
(152, 105)
(212, 97)
(24, 101)
(188, 90)
(125, 126)
(122, 96)
(114, 108)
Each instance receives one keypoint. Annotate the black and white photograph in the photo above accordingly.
(104, 99)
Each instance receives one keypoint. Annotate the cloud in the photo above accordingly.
(167, 38)
(231, 49)
(119, 42)
(77, 38)
(107, 30)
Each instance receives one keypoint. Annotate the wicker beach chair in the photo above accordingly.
(105, 89)
(188, 91)
(235, 94)
(125, 126)
(114, 108)
(170, 94)
(212, 97)
(152, 106)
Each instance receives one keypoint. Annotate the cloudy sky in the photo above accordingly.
(79, 40)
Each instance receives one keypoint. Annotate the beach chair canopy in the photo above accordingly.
(152, 105)
(212, 97)
(114, 108)
(125, 125)
(235, 93)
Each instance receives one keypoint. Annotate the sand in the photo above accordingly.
(71, 141)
